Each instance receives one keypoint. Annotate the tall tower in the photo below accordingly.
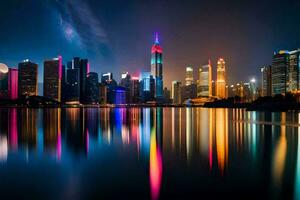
(221, 79)
(157, 67)
(205, 78)
(189, 76)
(27, 79)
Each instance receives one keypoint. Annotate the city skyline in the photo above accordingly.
(109, 39)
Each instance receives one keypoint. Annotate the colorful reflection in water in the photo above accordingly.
(148, 153)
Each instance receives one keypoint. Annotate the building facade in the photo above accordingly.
(92, 88)
(279, 72)
(221, 79)
(204, 86)
(27, 79)
(157, 68)
(176, 92)
(189, 76)
(53, 78)
(266, 81)
(13, 83)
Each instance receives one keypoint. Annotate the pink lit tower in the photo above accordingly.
(13, 83)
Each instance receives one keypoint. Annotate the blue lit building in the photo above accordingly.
(157, 68)
(147, 87)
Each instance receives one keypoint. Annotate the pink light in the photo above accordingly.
(155, 167)
(13, 83)
(156, 49)
(88, 68)
(13, 130)
(135, 78)
(87, 141)
(60, 67)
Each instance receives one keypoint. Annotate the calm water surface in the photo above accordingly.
(148, 153)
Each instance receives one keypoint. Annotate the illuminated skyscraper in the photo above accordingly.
(266, 81)
(135, 85)
(3, 81)
(157, 67)
(126, 83)
(147, 87)
(92, 88)
(189, 76)
(205, 81)
(279, 72)
(12, 83)
(176, 92)
(84, 70)
(221, 79)
(293, 71)
(53, 78)
(28, 79)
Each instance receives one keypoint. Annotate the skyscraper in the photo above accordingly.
(126, 83)
(221, 79)
(293, 71)
(53, 78)
(175, 92)
(3, 81)
(279, 72)
(135, 85)
(189, 76)
(266, 81)
(84, 68)
(147, 87)
(205, 81)
(13, 83)
(92, 88)
(157, 67)
(73, 89)
(28, 79)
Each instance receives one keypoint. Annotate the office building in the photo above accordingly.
(266, 81)
(293, 73)
(157, 68)
(176, 92)
(188, 92)
(189, 76)
(221, 79)
(72, 86)
(53, 78)
(204, 86)
(126, 83)
(279, 72)
(27, 79)
(102, 93)
(147, 87)
(92, 88)
(135, 88)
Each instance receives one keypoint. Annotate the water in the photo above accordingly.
(148, 153)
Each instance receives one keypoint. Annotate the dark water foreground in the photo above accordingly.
(148, 153)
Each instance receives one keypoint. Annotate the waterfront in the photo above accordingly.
(148, 153)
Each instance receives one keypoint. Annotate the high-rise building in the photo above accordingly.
(3, 81)
(72, 89)
(147, 87)
(221, 79)
(126, 83)
(189, 76)
(188, 92)
(92, 88)
(13, 83)
(279, 72)
(27, 79)
(176, 92)
(84, 68)
(53, 78)
(157, 68)
(205, 81)
(293, 71)
(102, 93)
(266, 81)
(135, 85)
(107, 78)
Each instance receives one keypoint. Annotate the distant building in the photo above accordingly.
(188, 92)
(189, 76)
(73, 89)
(176, 92)
(293, 72)
(84, 69)
(13, 83)
(126, 83)
(3, 81)
(279, 72)
(135, 88)
(27, 79)
(204, 86)
(92, 88)
(117, 95)
(53, 78)
(221, 79)
(167, 94)
(107, 78)
(266, 81)
(147, 87)
(102, 93)
(157, 68)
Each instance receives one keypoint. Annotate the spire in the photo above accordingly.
(156, 38)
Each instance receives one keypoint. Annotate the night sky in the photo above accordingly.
(117, 35)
